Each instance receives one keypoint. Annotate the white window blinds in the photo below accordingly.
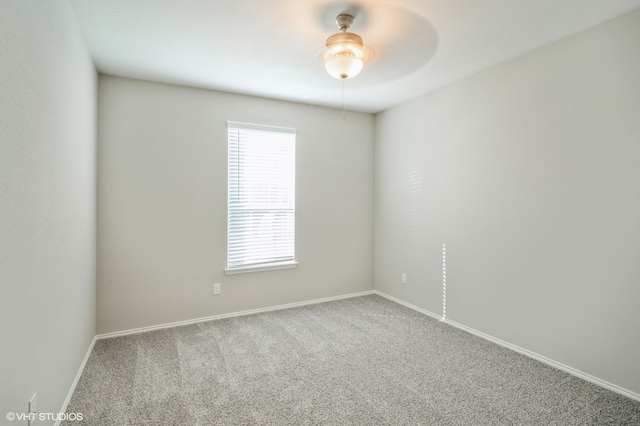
(261, 205)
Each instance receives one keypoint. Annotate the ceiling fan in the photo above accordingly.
(345, 54)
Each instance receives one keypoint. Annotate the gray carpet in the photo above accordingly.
(359, 361)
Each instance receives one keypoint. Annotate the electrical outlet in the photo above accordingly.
(404, 278)
(216, 288)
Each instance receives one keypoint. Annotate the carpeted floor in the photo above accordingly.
(359, 361)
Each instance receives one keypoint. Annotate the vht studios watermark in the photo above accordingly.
(45, 416)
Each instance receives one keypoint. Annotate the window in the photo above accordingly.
(261, 203)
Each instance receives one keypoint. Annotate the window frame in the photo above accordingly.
(272, 264)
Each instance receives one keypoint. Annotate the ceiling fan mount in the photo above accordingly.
(344, 21)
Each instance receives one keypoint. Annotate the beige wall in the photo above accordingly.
(529, 172)
(48, 101)
(162, 164)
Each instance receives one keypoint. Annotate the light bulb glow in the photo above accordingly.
(346, 48)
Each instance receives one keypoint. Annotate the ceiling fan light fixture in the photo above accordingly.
(344, 51)
(343, 65)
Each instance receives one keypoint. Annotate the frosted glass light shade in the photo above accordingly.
(343, 65)
(343, 57)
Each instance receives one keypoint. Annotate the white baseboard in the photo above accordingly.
(543, 359)
(548, 361)
(408, 305)
(230, 315)
(67, 400)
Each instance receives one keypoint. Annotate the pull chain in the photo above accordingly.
(343, 112)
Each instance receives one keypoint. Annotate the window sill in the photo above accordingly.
(291, 264)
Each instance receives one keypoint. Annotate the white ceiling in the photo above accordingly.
(269, 48)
